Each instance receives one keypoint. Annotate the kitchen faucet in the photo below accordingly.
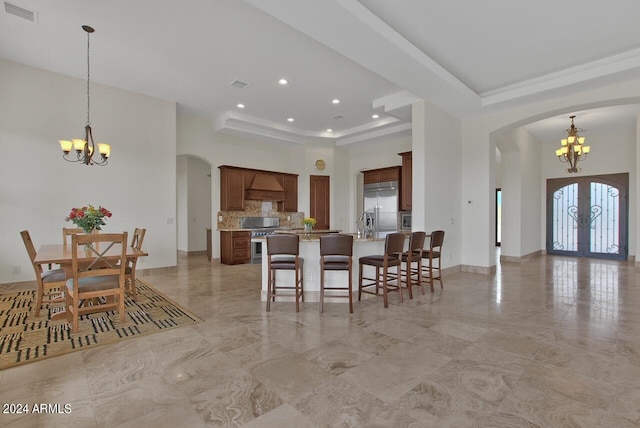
(367, 224)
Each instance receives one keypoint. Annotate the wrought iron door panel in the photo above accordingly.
(565, 218)
(603, 221)
(587, 216)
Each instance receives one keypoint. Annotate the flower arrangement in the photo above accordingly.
(309, 222)
(88, 218)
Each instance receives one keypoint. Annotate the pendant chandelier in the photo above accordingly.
(85, 148)
(572, 148)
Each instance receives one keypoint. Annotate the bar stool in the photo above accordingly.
(283, 254)
(393, 247)
(336, 253)
(412, 256)
(429, 270)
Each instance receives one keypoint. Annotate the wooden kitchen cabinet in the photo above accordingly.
(406, 181)
(235, 247)
(290, 184)
(231, 189)
(238, 185)
(381, 175)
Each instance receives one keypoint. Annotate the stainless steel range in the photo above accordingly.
(260, 227)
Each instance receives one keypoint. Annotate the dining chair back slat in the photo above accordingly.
(97, 275)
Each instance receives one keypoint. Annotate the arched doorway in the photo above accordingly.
(588, 216)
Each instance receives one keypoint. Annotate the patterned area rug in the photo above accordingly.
(25, 338)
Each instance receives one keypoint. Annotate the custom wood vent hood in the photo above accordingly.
(265, 187)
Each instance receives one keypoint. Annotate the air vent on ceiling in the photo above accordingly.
(338, 117)
(21, 12)
(239, 84)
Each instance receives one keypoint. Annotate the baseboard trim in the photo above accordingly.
(485, 270)
(521, 259)
(192, 253)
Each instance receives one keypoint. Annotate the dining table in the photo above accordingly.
(61, 254)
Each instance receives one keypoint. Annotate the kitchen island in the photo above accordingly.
(310, 251)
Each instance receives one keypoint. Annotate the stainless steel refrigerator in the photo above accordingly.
(381, 202)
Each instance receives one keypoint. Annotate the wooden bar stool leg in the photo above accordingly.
(321, 289)
(420, 283)
(399, 282)
(360, 283)
(384, 285)
(269, 288)
(350, 291)
(302, 283)
(297, 290)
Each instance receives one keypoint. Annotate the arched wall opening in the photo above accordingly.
(526, 161)
(193, 203)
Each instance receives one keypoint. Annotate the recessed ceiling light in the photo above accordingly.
(290, 119)
(375, 116)
(329, 130)
(335, 101)
(283, 81)
(240, 106)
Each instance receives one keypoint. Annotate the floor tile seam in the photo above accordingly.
(563, 396)
(609, 399)
(582, 351)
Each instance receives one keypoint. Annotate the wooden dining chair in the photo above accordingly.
(68, 231)
(96, 290)
(130, 268)
(50, 283)
(412, 262)
(385, 277)
(430, 271)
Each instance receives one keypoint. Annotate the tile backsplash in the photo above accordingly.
(231, 219)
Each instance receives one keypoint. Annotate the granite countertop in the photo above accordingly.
(314, 237)
(308, 232)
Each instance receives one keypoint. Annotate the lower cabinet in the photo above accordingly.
(235, 247)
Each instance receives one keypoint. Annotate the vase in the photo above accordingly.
(308, 228)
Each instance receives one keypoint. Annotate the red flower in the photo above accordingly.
(89, 218)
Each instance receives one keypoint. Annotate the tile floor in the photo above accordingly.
(553, 342)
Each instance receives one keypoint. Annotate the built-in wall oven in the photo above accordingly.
(261, 227)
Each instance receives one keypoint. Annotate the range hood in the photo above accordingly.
(265, 187)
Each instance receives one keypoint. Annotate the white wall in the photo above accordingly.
(194, 203)
(182, 202)
(199, 202)
(511, 165)
(38, 188)
(436, 144)
(521, 192)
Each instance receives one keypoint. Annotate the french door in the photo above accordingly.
(587, 216)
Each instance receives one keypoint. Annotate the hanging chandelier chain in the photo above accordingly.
(88, 79)
(85, 149)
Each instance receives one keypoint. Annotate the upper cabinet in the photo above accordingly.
(407, 180)
(231, 189)
(290, 185)
(381, 175)
(238, 185)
